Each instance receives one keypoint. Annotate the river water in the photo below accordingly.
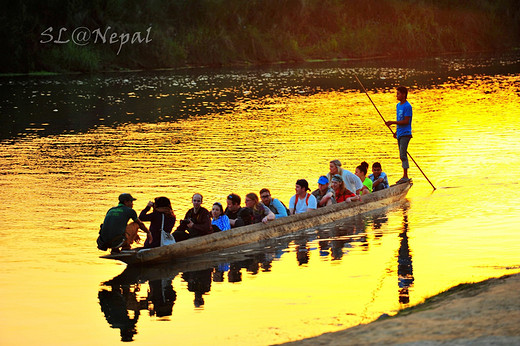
(69, 145)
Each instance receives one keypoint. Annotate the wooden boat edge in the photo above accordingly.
(258, 232)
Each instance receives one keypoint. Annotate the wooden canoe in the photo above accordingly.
(258, 232)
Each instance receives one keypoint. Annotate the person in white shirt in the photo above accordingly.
(352, 182)
(302, 201)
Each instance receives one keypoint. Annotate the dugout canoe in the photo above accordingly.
(258, 232)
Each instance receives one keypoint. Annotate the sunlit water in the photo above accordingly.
(70, 145)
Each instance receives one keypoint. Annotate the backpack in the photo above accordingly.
(296, 199)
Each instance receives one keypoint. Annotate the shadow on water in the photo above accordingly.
(121, 306)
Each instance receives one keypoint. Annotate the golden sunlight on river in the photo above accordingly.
(57, 189)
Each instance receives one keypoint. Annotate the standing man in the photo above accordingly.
(196, 223)
(115, 232)
(302, 201)
(403, 131)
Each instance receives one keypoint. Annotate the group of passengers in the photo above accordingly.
(339, 185)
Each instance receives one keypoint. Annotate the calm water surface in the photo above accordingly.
(71, 144)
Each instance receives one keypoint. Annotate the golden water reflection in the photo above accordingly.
(56, 190)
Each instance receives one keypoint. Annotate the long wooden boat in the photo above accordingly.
(258, 232)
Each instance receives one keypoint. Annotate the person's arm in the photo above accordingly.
(142, 226)
(291, 205)
(404, 121)
(282, 212)
(325, 199)
(313, 203)
(269, 215)
(143, 216)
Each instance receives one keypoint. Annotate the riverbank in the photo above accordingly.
(482, 313)
(91, 37)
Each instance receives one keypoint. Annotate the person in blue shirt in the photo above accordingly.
(378, 177)
(403, 131)
(274, 204)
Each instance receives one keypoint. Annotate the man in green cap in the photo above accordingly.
(115, 231)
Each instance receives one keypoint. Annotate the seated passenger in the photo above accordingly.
(259, 211)
(274, 204)
(238, 216)
(341, 192)
(352, 182)
(378, 177)
(162, 218)
(361, 172)
(220, 220)
(196, 223)
(324, 194)
(302, 201)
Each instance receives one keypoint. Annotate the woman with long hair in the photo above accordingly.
(341, 193)
(162, 218)
(260, 212)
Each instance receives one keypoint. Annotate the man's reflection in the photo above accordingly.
(199, 282)
(115, 304)
(404, 264)
(162, 296)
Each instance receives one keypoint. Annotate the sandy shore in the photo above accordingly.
(484, 313)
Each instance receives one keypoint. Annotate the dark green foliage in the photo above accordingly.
(216, 32)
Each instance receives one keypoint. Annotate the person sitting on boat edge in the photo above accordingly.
(161, 218)
(341, 193)
(274, 204)
(352, 182)
(324, 194)
(238, 216)
(361, 173)
(378, 177)
(220, 220)
(196, 223)
(115, 232)
(302, 201)
(259, 211)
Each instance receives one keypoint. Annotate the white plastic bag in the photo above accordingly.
(166, 238)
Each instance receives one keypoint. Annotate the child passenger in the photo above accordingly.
(378, 177)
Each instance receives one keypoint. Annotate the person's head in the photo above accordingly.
(265, 196)
(162, 202)
(301, 187)
(251, 200)
(337, 183)
(127, 199)
(196, 199)
(217, 210)
(334, 166)
(233, 202)
(361, 171)
(323, 183)
(402, 93)
(376, 169)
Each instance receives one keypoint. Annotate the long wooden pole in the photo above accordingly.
(366, 93)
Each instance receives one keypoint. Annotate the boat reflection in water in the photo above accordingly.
(121, 306)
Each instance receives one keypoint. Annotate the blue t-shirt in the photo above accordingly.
(382, 175)
(402, 111)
